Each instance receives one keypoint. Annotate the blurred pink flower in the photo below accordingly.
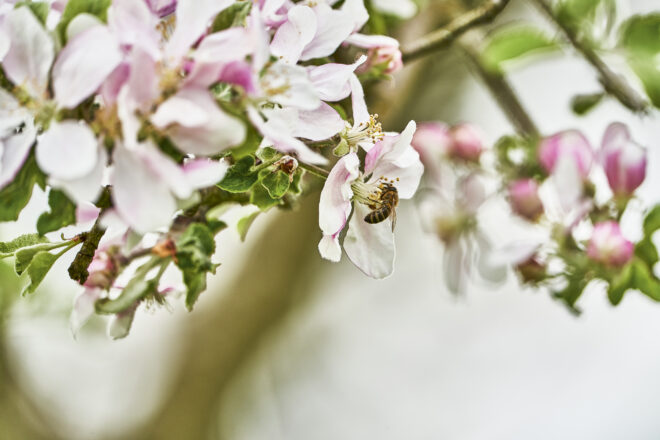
(467, 142)
(524, 198)
(623, 160)
(608, 245)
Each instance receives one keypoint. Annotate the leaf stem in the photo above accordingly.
(613, 83)
(313, 169)
(444, 36)
(499, 87)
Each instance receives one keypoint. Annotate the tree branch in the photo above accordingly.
(443, 37)
(613, 83)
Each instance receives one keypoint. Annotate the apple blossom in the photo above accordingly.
(524, 198)
(608, 245)
(467, 142)
(623, 160)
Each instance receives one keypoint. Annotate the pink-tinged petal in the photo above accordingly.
(431, 140)
(278, 131)
(68, 150)
(569, 143)
(260, 39)
(332, 29)
(120, 324)
(113, 83)
(568, 182)
(4, 41)
(294, 34)
(80, 24)
(335, 202)
(83, 65)
(273, 11)
(143, 80)
(217, 133)
(355, 12)
(370, 246)
(140, 198)
(84, 308)
(360, 112)
(289, 85)
(88, 187)
(87, 212)
(609, 246)
(223, 47)
(623, 160)
(162, 8)
(167, 171)
(371, 41)
(135, 25)
(202, 173)
(319, 124)
(31, 53)
(329, 248)
(239, 73)
(15, 149)
(332, 80)
(615, 135)
(192, 19)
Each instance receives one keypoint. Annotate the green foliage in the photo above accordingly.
(652, 221)
(581, 14)
(582, 104)
(276, 183)
(572, 292)
(268, 154)
(511, 43)
(193, 257)
(8, 248)
(98, 8)
(620, 283)
(645, 281)
(249, 145)
(136, 289)
(232, 16)
(240, 177)
(244, 224)
(296, 184)
(25, 255)
(640, 38)
(18, 193)
(62, 213)
(261, 198)
(39, 266)
(40, 9)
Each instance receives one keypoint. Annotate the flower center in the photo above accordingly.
(376, 194)
(370, 131)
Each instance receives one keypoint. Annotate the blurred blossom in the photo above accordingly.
(623, 160)
(467, 142)
(569, 144)
(524, 198)
(608, 245)
(385, 57)
(162, 8)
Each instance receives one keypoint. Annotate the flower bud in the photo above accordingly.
(532, 270)
(608, 246)
(387, 56)
(569, 143)
(102, 270)
(524, 198)
(623, 160)
(431, 138)
(162, 8)
(467, 142)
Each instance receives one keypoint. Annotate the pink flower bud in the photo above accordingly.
(623, 160)
(608, 246)
(569, 143)
(524, 198)
(162, 8)
(386, 54)
(431, 139)
(102, 270)
(467, 142)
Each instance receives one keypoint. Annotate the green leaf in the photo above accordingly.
(194, 251)
(24, 256)
(572, 292)
(39, 9)
(249, 145)
(136, 289)
(582, 104)
(645, 281)
(578, 14)
(515, 42)
(8, 248)
(240, 177)
(62, 213)
(18, 193)
(268, 154)
(646, 251)
(296, 183)
(276, 183)
(620, 283)
(652, 221)
(98, 8)
(39, 266)
(640, 37)
(262, 199)
(244, 224)
(234, 15)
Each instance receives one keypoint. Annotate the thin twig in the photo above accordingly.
(613, 83)
(443, 37)
(499, 87)
(313, 169)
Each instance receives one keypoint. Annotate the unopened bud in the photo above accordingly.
(623, 160)
(570, 143)
(532, 270)
(467, 142)
(103, 269)
(608, 245)
(524, 198)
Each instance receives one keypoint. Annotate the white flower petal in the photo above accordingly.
(83, 65)
(88, 187)
(31, 53)
(294, 34)
(319, 124)
(331, 80)
(202, 173)
(15, 150)
(333, 26)
(289, 85)
(335, 201)
(329, 248)
(84, 308)
(371, 41)
(370, 246)
(68, 150)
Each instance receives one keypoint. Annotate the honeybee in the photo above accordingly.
(385, 206)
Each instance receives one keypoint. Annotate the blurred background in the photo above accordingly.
(285, 345)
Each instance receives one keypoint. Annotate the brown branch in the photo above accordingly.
(443, 37)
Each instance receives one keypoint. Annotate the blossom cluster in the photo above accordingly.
(140, 118)
(551, 184)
